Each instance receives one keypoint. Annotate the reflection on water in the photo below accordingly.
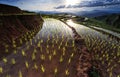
(108, 31)
(51, 53)
(105, 50)
(55, 28)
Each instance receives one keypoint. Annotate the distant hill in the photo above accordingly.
(112, 20)
(8, 9)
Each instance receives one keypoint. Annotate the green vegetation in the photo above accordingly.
(93, 22)
(112, 20)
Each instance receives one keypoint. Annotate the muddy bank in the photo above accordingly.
(84, 64)
(14, 28)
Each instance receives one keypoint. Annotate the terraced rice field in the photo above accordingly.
(105, 50)
(51, 53)
(56, 52)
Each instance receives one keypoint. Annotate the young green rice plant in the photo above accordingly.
(63, 51)
(50, 57)
(6, 48)
(53, 46)
(33, 56)
(14, 45)
(56, 41)
(69, 61)
(42, 68)
(54, 52)
(35, 66)
(73, 43)
(35, 51)
(21, 41)
(23, 53)
(35, 40)
(1, 70)
(110, 74)
(13, 61)
(66, 44)
(59, 47)
(20, 73)
(48, 46)
(41, 41)
(26, 64)
(31, 43)
(5, 60)
(39, 44)
(47, 51)
(72, 55)
(28, 47)
(61, 43)
(67, 72)
(55, 70)
(61, 59)
(42, 57)
(15, 51)
(118, 76)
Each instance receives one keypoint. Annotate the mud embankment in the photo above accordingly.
(14, 27)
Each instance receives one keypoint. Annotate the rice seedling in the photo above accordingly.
(1, 70)
(26, 64)
(55, 71)
(69, 61)
(54, 52)
(67, 72)
(15, 51)
(33, 56)
(20, 73)
(13, 61)
(72, 55)
(42, 57)
(35, 66)
(61, 59)
(42, 68)
(5, 60)
(23, 53)
(50, 57)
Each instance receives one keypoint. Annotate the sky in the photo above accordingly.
(66, 5)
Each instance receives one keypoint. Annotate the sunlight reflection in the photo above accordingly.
(71, 23)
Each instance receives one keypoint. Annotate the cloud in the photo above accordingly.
(90, 4)
(59, 7)
(34, 4)
(48, 5)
